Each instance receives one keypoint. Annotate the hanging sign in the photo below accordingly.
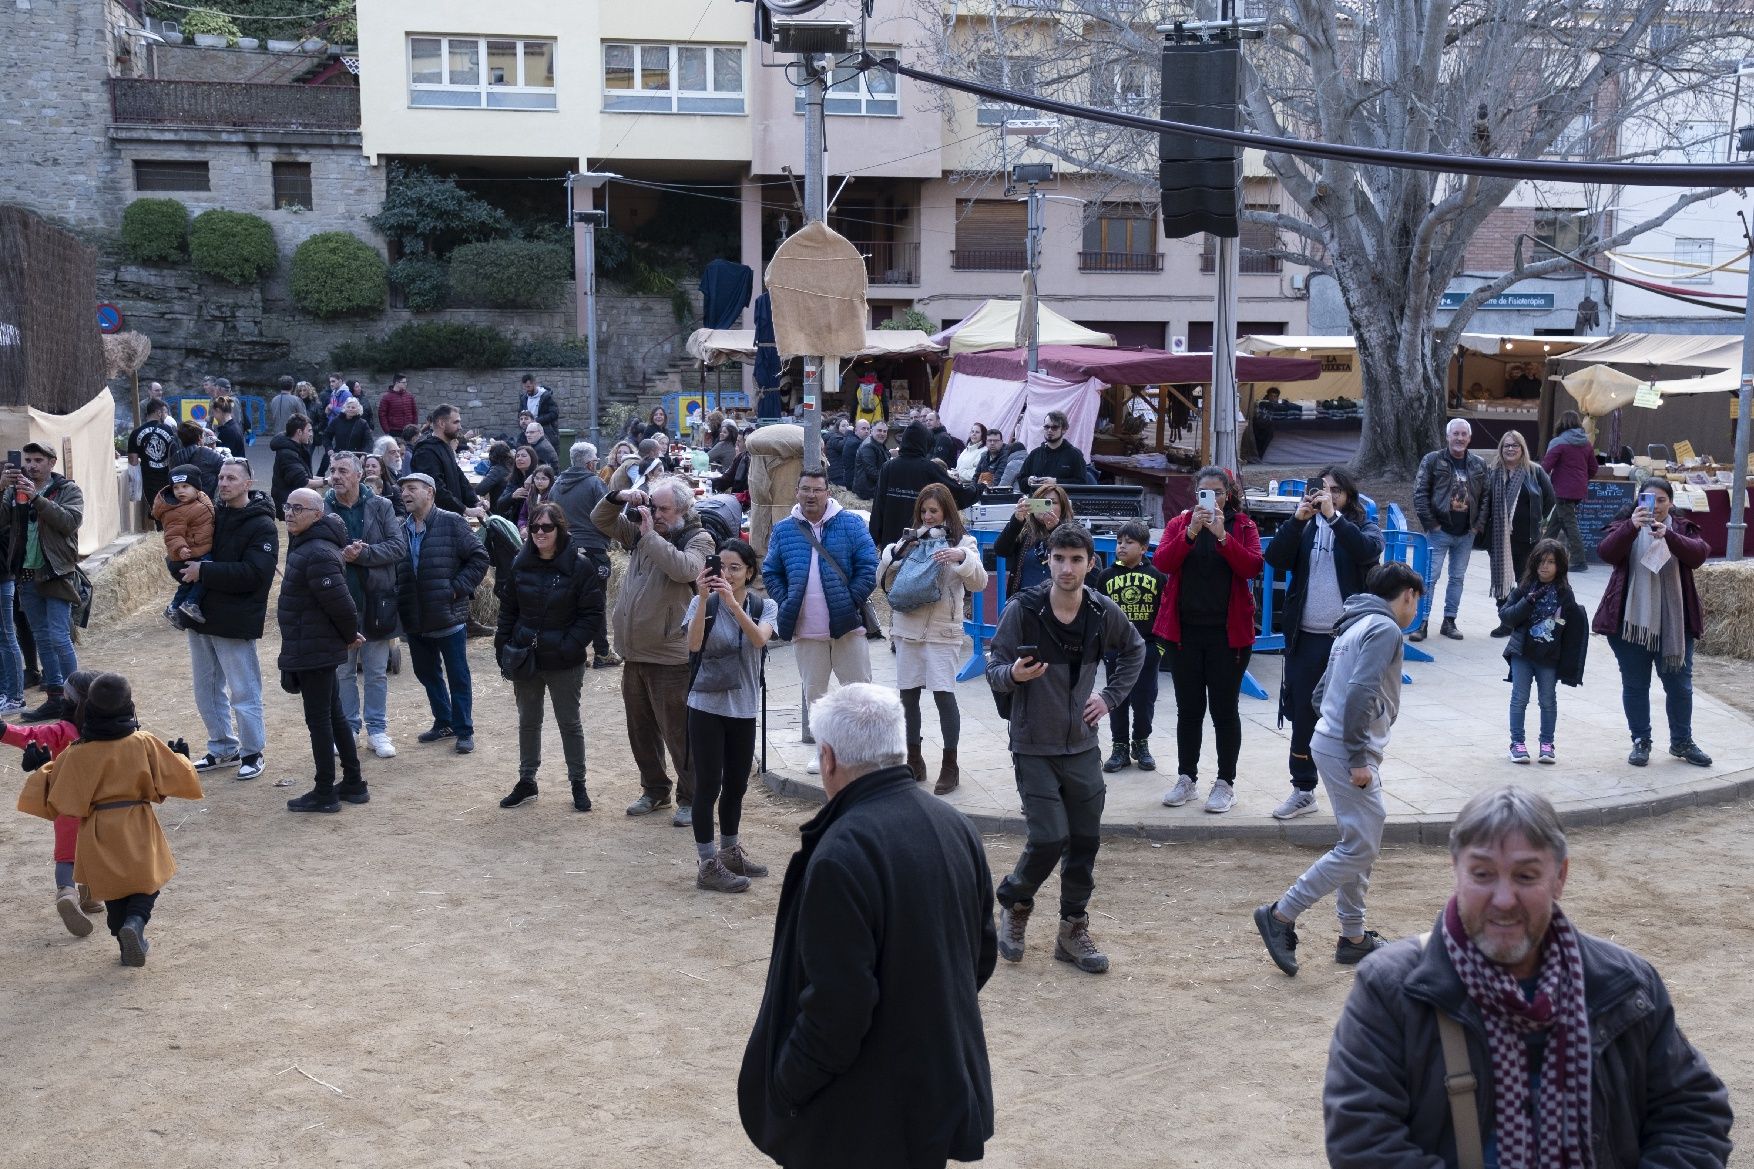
(1648, 396)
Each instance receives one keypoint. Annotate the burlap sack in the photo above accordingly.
(817, 281)
(776, 459)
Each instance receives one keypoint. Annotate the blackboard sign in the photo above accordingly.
(1606, 499)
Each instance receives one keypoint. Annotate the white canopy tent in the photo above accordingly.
(994, 326)
(717, 346)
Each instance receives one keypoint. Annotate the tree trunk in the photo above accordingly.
(1403, 400)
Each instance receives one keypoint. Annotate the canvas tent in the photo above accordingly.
(994, 326)
(1341, 375)
(1697, 377)
(717, 346)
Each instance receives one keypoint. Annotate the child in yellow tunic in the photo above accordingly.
(110, 778)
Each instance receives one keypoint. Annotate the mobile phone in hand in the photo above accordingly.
(1208, 499)
(714, 565)
(1028, 651)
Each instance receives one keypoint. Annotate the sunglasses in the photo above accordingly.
(545, 527)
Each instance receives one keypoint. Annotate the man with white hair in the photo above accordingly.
(869, 1047)
(1449, 494)
(667, 551)
(1509, 1037)
(577, 491)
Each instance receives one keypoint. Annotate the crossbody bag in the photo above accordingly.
(867, 616)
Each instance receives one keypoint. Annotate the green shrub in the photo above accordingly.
(510, 273)
(424, 281)
(911, 318)
(233, 246)
(545, 354)
(211, 22)
(426, 213)
(337, 274)
(155, 231)
(427, 345)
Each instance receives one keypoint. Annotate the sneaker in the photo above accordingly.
(814, 766)
(381, 745)
(684, 817)
(1298, 803)
(1186, 786)
(192, 611)
(1013, 920)
(315, 800)
(67, 905)
(1547, 755)
(713, 875)
(1449, 630)
(1519, 753)
(51, 709)
(606, 661)
(212, 762)
(1075, 945)
(465, 744)
(1280, 937)
(1640, 753)
(735, 859)
(646, 805)
(1689, 750)
(1223, 797)
(1118, 759)
(1350, 953)
(435, 734)
(251, 766)
(1501, 630)
(353, 793)
(581, 801)
(1142, 756)
(8, 705)
(132, 937)
(522, 793)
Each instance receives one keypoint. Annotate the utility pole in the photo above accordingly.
(1034, 174)
(1034, 278)
(1736, 544)
(585, 221)
(816, 369)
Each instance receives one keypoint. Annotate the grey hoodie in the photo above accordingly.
(1360, 694)
(1047, 714)
(577, 491)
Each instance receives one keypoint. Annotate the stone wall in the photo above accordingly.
(489, 400)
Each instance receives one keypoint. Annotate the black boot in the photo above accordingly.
(580, 800)
(1640, 754)
(522, 793)
(1118, 758)
(353, 791)
(1420, 633)
(1142, 755)
(51, 709)
(320, 798)
(1449, 630)
(132, 939)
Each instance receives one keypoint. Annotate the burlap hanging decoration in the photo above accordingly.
(817, 281)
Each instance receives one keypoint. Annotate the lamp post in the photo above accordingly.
(586, 222)
(1033, 174)
(1736, 544)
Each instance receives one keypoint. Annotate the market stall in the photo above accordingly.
(1497, 382)
(899, 361)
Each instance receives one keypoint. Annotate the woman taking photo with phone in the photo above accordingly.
(1024, 542)
(1210, 554)
(728, 631)
(928, 636)
(1651, 617)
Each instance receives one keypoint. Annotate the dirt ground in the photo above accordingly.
(431, 981)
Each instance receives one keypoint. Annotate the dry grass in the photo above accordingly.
(1726, 593)
(128, 582)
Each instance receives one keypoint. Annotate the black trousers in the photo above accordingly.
(1141, 703)
(723, 750)
(601, 561)
(1304, 663)
(117, 910)
(329, 730)
(1208, 674)
(27, 642)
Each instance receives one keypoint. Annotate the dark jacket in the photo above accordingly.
(292, 469)
(494, 484)
(206, 460)
(317, 617)
(544, 452)
(246, 551)
(1047, 714)
(839, 451)
(435, 596)
(1434, 483)
(60, 511)
(1574, 634)
(547, 412)
(349, 434)
(994, 462)
(867, 463)
(1357, 549)
(434, 456)
(397, 411)
(1615, 549)
(577, 491)
(946, 447)
(1065, 465)
(230, 435)
(900, 481)
(869, 1049)
(1570, 461)
(1655, 1103)
(374, 572)
(555, 605)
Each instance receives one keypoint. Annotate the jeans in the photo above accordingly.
(562, 688)
(188, 593)
(11, 662)
(437, 660)
(221, 665)
(1457, 549)
(1140, 705)
(1636, 664)
(1522, 672)
(1063, 797)
(1563, 526)
(368, 664)
(1343, 870)
(655, 698)
(329, 733)
(1305, 662)
(51, 623)
(1206, 671)
(724, 751)
(847, 657)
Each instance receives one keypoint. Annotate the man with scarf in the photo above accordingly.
(1573, 1056)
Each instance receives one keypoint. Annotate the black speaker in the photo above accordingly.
(1201, 179)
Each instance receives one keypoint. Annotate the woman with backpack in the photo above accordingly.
(1549, 638)
(927, 573)
(728, 632)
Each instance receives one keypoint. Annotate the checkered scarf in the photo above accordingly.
(1552, 1132)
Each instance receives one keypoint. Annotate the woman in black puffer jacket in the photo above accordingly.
(554, 610)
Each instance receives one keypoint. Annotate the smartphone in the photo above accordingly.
(1208, 499)
(1028, 651)
(714, 565)
(1648, 501)
(1040, 506)
(15, 458)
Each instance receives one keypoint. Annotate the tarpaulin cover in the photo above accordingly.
(817, 281)
(724, 292)
(1134, 367)
(994, 325)
(1657, 355)
(994, 402)
(767, 356)
(969, 399)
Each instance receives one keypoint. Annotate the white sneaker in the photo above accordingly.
(1183, 791)
(814, 767)
(1223, 797)
(250, 766)
(381, 745)
(1298, 803)
(8, 705)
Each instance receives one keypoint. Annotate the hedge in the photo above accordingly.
(424, 281)
(337, 274)
(155, 231)
(509, 273)
(233, 246)
(426, 345)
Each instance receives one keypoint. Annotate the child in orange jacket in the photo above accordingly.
(185, 514)
(40, 743)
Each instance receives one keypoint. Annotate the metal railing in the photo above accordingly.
(990, 259)
(890, 262)
(150, 101)
(1120, 261)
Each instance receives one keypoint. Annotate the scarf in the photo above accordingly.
(1553, 1130)
(1653, 616)
(98, 728)
(1507, 489)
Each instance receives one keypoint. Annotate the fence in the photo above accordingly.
(890, 262)
(149, 101)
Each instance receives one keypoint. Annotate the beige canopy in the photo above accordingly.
(717, 346)
(994, 325)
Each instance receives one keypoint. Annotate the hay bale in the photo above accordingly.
(127, 582)
(1726, 594)
(776, 459)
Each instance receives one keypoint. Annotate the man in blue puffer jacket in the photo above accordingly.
(822, 605)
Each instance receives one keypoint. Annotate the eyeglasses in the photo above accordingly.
(1052, 426)
(297, 508)
(235, 463)
(545, 527)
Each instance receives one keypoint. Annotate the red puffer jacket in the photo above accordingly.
(1242, 552)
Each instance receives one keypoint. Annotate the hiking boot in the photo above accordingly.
(646, 805)
(1298, 803)
(67, 905)
(949, 773)
(1223, 797)
(212, 762)
(1117, 759)
(1142, 756)
(354, 792)
(1449, 630)
(1350, 953)
(1421, 633)
(737, 860)
(435, 734)
(1547, 753)
(1075, 945)
(522, 793)
(251, 766)
(51, 709)
(1519, 752)
(132, 938)
(1280, 937)
(1186, 787)
(1640, 753)
(916, 762)
(88, 903)
(1689, 750)
(606, 661)
(318, 799)
(580, 800)
(715, 876)
(1013, 920)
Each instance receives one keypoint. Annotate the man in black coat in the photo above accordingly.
(435, 456)
(840, 447)
(869, 1048)
(292, 460)
(869, 460)
(445, 565)
(1055, 460)
(900, 481)
(318, 625)
(541, 403)
(946, 447)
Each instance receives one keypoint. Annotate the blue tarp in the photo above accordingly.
(725, 288)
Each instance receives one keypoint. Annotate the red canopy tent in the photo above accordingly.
(1134, 367)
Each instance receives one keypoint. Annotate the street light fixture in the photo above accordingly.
(586, 220)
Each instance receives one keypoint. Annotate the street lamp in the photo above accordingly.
(586, 221)
(1034, 174)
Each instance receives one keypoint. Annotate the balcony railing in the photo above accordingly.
(890, 262)
(990, 259)
(1120, 261)
(147, 101)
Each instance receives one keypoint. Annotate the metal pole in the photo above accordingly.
(1034, 239)
(1738, 530)
(815, 211)
(1223, 403)
(591, 333)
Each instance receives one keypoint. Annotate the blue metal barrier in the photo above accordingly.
(978, 628)
(1397, 521)
(1414, 549)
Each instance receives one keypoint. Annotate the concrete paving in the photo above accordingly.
(1450, 741)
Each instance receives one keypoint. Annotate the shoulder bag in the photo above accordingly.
(919, 580)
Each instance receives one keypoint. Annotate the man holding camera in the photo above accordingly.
(40, 521)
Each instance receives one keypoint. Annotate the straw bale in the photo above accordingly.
(776, 459)
(1726, 593)
(128, 582)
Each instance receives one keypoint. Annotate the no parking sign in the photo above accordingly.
(109, 318)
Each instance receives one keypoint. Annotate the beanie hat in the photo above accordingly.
(186, 473)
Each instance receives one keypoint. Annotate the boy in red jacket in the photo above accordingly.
(40, 743)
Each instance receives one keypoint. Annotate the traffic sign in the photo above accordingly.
(109, 318)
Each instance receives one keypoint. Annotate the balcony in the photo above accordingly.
(889, 262)
(990, 259)
(136, 101)
(1120, 261)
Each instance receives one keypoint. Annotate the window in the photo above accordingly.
(292, 185)
(1563, 230)
(1254, 239)
(1575, 140)
(991, 236)
(1703, 141)
(1123, 85)
(871, 93)
(480, 73)
(1696, 252)
(1014, 73)
(1121, 239)
(673, 79)
(170, 175)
